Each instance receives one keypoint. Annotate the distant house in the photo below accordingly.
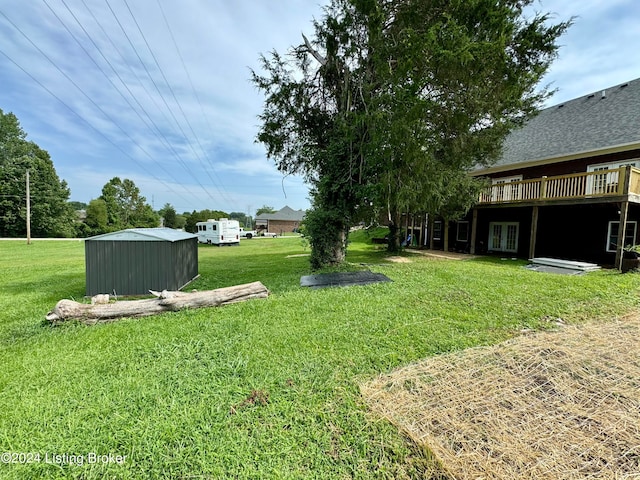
(565, 184)
(284, 220)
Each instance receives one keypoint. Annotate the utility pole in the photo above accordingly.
(28, 212)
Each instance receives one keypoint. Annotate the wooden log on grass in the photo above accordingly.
(165, 301)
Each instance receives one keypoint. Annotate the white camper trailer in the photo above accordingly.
(219, 232)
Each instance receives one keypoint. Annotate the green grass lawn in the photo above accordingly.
(262, 389)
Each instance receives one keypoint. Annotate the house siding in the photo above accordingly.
(565, 168)
(573, 232)
(282, 226)
(520, 215)
(579, 232)
(283, 221)
(571, 219)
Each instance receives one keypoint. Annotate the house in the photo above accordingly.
(565, 183)
(134, 261)
(284, 220)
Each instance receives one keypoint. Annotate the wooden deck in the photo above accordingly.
(595, 186)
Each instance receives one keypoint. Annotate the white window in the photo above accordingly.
(437, 230)
(614, 231)
(462, 234)
(503, 236)
(503, 191)
(606, 181)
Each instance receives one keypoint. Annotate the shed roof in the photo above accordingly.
(591, 123)
(145, 235)
(286, 214)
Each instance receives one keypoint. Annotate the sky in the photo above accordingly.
(159, 91)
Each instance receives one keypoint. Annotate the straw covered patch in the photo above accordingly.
(549, 405)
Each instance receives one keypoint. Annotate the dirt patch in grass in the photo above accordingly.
(398, 259)
(256, 397)
(439, 254)
(549, 405)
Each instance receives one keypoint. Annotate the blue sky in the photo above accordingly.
(170, 104)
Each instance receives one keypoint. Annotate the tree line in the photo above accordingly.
(119, 206)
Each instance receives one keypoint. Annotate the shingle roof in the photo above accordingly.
(604, 119)
(145, 234)
(286, 214)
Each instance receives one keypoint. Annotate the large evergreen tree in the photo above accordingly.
(394, 101)
(51, 215)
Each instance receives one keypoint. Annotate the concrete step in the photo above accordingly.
(570, 264)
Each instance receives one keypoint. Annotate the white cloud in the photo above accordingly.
(598, 50)
(252, 167)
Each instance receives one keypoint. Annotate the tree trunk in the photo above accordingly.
(165, 301)
(432, 223)
(393, 243)
(327, 248)
(327, 231)
(339, 250)
(445, 227)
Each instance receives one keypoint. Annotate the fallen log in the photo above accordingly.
(165, 301)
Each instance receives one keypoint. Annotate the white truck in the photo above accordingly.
(219, 232)
(248, 234)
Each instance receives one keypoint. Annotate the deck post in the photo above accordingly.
(431, 225)
(622, 230)
(474, 228)
(413, 230)
(445, 228)
(406, 226)
(626, 180)
(425, 230)
(534, 232)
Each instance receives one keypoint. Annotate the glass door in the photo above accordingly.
(503, 236)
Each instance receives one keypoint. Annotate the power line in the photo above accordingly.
(176, 101)
(75, 85)
(84, 120)
(158, 132)
(193, 88)
(93, 60)
(139, 109)
(124, 60)
(55, 65)
(154, 82)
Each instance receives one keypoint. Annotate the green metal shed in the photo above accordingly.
(134, 261)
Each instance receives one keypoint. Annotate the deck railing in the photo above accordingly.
(601, 183)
